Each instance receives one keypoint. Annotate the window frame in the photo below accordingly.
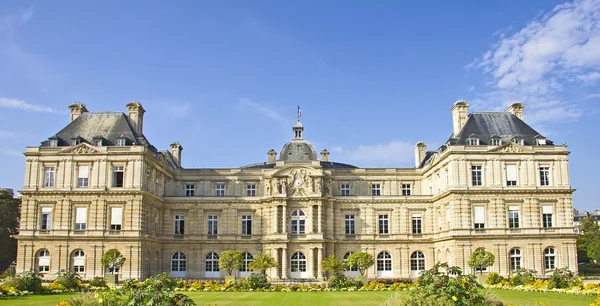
(344, 189)
(50, 176)
(514, 217)
(417, 223)
(298, 222)
(179, 224)
(190, 190)
(476, 175)
(116, 177)
(246, 225)
(406, 189)
(250, 190)
(220, 190)
(350, 224)
(375, 189)
(544, 171)
(213, 224)
(383, 223)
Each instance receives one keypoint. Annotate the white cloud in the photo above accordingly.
(11, 134)
(592, 96)
(11, 152)
(589, 78)
(22, 105)
(245, 103)
(395, 153)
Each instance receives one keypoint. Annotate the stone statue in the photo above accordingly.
(268, 187)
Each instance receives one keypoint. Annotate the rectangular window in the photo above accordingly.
(213, 223)
(247, 225)
(251, 190)
(49, 175)
(83, 177)
(479, 216)
(121, 142)
(545, 176)
(406, 190)
(118, 176)
(98, 142)
(46, 220)
(476, 175)
(116, 218)
(80, 218)
(375, 189)
(220, 190)
(520, 141)
(190, 190)
(547, 216)
(179, 225)
(472, 141)
(350, 225)
(511, 175)
(417, 224)
(44, 263)
(513, 217)
(495, 142)
(345, 189)
(53, 143)
(384, 224)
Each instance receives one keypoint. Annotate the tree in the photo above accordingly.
(481, 259)
(588, 243)
(9, 226)
(263, 262)
(230, 260)
(113, 260)
(362, 261)
(588, 225)
(333, 265)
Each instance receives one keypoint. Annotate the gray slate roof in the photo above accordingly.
(298, 149)
(326, 165)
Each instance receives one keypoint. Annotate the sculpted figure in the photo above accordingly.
(268, 187)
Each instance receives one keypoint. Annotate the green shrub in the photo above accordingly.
(98, 281)
(129, 284)
(254, 281)
(522, 277)
(83, 299)
(341, 281)
(563, 278)
(26, 281)
(494, 278)
(68, 279)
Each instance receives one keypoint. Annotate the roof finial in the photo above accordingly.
(299, 114)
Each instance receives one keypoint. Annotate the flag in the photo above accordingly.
(299, 112)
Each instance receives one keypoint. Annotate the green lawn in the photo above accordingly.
(322, 298)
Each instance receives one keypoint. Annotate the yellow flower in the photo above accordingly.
(454, 298)
(100, 300)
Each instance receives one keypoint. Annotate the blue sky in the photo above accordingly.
(224, 78)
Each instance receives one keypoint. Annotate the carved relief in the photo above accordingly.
(81, 149)
(511, 147)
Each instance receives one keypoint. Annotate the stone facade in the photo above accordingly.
(85, 197)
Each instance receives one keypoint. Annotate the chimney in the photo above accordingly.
(517, 109)
(460, 114)
(136, 116)
(272, 155)
(77, 109)
(325, 155)
(176, 149)
(420, 150)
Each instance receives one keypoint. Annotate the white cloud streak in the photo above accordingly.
(11, 152)
(22, 105)
(11, 134)
(395, 153)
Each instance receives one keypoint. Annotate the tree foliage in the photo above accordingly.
(9, 226)
(588, 243)
(263, 262)
(481, 259)
(333, 265)
(113, 260)
(362, 261)
(230, 260)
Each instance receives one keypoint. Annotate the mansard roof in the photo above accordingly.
(324, 164)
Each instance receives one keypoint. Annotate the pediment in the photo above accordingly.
(511, 147)
(82, 148)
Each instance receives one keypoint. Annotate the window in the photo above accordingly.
(148, 175)
(98, 142)
(220, 189)
(345, 189)
(116, 217)
(350, 225)
(79, 261)
(476, 175)
(83, 177)
(515, 259)
(247, 225)
(211, 262)
(545, 176)
(53, 143)
(49, 175)
(549, 259)
(479, 216)
(540, 141)
(298, 222)
(511, 175)
(406, 190)
(213, 224)
(384, 228)
(121, 142)
(179, 225)
(298, 262)
(80, 218)
(46, 220)
(190, 190)
(375, 189)
(518, 140)
(384, 261)
(417, 261)
(43, 261)
(251, 190)
(156, 185)
(178, 262)
(417, 224)
(118, 176)
(513, 216)
(75, 142)
(247, 257)
(547, 216)
(353, 268)
(472, 141)
(495, 142)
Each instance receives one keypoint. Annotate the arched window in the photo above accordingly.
(549, 259)
(43, 261)
(298, 262)
(211, 262)
(298, 222)
(515, 259)
(79, 261)
(354, 268)
(384, 261)
(247, 260)
(417, 261)
(178, 262)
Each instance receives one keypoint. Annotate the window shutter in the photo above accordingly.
(513, 208)
(47, 210)
(44, 261)
(416, 215)
(116, 216)
(79, 261)
(547, 209)
(511, 172)
(84, 171)
(479, 214)
(81, 215)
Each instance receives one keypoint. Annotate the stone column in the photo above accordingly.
(284, 263)
(275, 219)
(319, 214)
(284, 228)
(319, 260)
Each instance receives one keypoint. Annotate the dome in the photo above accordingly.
(298, 124)
(298, 149)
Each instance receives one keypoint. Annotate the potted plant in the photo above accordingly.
(362, 261)
(113, 260)
(229, 261)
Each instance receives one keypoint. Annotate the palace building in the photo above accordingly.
(99, 184)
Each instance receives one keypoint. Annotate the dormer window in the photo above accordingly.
(121, 142)
(495, 141)
(540, 140)
(76, 140)
(518, 140)
(472, 141)
(53, 143)
(98, 142)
